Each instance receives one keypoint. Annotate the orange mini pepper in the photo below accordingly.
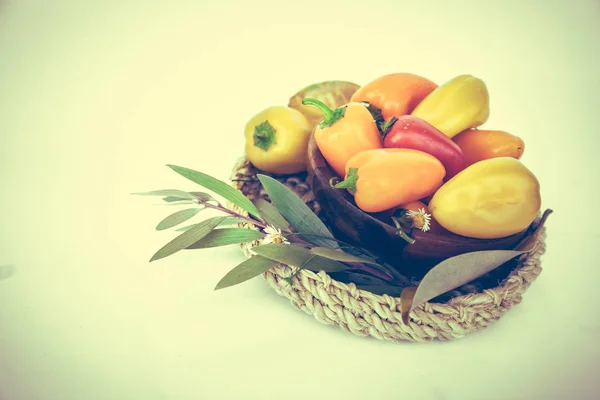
(381, 179)
(395, 94)
(344, 132)
(480, 144)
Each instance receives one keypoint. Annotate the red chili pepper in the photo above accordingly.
(411, 132)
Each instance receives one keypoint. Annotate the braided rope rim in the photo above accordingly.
(365, 314)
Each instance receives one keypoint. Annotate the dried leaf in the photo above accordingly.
(271, 215)
(296, 212)
(464, 268)
(455, 272)
(227, 236)
(177, 218)
(187, 238)
(219, 187)
(252, 267)
(298, 256)
(340, 256)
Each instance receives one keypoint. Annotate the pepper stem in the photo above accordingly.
(350, 181)
(384, 127)
(265, 135)
(331, 116)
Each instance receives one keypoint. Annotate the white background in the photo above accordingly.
(95, 99)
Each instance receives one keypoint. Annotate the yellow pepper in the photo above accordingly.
(459, 104)
(490, 199)
(277, 140)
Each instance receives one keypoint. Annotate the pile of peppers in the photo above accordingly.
(401, 142)
(403, 139)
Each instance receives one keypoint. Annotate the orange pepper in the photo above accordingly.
(480, 144)
(344, 132)
(395, 94)
(381, 179)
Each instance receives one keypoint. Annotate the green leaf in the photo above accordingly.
(168, 192)
(271, 215)
(173, 199)
(298, 256)
(219, 187)
(226, 221)
(296, 212)
(204, 197)
(340, 256)
(187, 238)
(227, 236)
(177, 218)
(252, 267)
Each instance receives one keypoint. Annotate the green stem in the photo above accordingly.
(350, 181)
(400, 232)
(331, 116)
(385, 127)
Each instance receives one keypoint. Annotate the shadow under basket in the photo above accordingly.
(467, 309)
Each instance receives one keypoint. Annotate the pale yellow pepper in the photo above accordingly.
(277, 140)
(493, 198)
(459, 104)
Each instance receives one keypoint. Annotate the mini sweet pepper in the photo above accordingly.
(381, 179)
(277, 140)
(344, 132)
(481, 144)
(395, 94)
(459, 104)
(490, 199)
(411, 132)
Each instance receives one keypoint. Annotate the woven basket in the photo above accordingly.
(467, 309)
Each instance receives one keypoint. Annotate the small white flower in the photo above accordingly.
(420, 219)
(274, 236)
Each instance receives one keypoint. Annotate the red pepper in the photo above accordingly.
(411, 132)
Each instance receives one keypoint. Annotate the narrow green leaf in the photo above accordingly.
(203, 196)
(296, 212)
(187, 238)
(173, 199)
(227, 236)
(298, 256)
(252, 267)
(168, 192)
(271, 215)
(226, 222)
(219, 187)
(177, 218)
(340, 256)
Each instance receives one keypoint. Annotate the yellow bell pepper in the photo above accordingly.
(277, 140)
(459, 104)
(490, 199)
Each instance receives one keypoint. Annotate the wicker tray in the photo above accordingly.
(467, 309)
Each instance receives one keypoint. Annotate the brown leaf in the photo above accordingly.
(464, 268)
